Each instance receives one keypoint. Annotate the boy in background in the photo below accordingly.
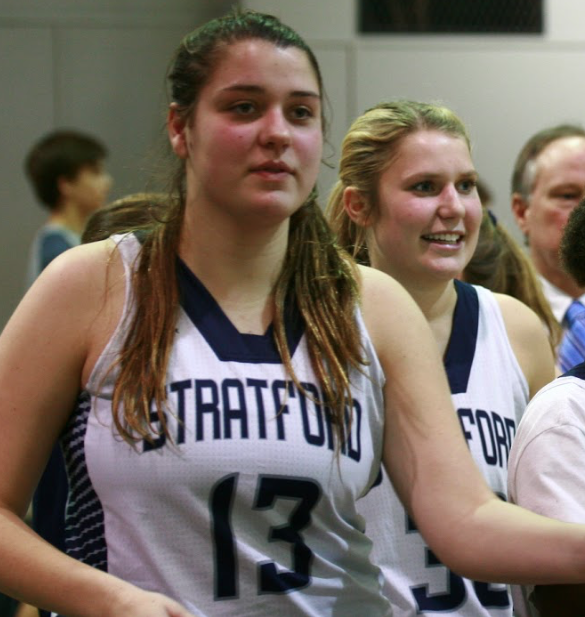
(66, 170)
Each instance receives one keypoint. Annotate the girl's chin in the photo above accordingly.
(445, 272)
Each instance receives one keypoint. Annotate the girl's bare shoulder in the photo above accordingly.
(75, 303)
(391, 315)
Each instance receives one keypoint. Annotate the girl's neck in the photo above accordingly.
(239, 267)
(437, 302)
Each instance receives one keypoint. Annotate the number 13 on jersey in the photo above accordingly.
(306, 493)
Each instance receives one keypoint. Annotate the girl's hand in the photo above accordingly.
(147, 604)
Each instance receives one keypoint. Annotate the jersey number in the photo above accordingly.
(455, 597)
(270, 488)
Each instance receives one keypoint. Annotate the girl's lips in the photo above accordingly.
(271, 174)
(446, 237)
(273, 171)
(273, 167)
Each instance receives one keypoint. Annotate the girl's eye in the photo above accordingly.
(425, 186)
(467, 186)
(244, 109)
(302, 113)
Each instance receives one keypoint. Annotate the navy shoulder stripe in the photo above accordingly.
(461, 348)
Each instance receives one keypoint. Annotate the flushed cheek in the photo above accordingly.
(310, 152)
(472, 226)
(226, 141)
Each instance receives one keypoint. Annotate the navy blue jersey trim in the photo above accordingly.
(85, 537)
(461, 348)
(227, 342)
(576, 371)
(49, 500)
(141, 234)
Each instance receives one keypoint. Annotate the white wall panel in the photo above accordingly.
(313, 19)
(111, 82)
(335, 67)
(26, 104)
(565, 19)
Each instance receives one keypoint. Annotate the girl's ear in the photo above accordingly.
(356, 206)
(176, 127)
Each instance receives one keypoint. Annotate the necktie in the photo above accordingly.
(572, 347)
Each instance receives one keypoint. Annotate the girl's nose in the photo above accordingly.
(451, 205)
(275, 132)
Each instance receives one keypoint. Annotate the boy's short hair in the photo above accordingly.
(59, 154)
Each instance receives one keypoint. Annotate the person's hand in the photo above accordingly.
(146, 604)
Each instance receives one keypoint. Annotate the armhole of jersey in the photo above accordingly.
(369, 349)
(129, 248)
(492, 305)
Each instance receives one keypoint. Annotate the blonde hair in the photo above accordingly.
(368, 149)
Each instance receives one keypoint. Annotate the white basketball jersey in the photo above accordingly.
(251, 511)
(490, 393)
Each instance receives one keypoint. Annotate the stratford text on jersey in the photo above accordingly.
(493, 431)
(232, 408)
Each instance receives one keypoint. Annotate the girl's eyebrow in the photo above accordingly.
(260, 89)
(435, 174)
